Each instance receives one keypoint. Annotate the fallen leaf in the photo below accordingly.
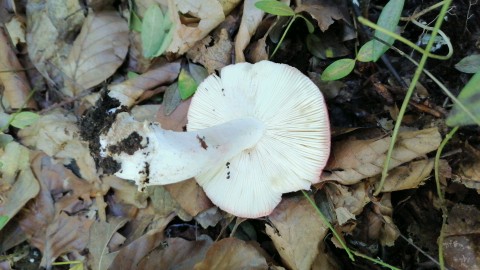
(177, 254)
(16, 87)
(190, 196)
(354, 160)
(50, 26)
(251, 18)
(100, 235)
(16, 30)
(129, 91)
(297, 232)
(462, 237)
(213, 57)
(55, 221)
(57, 134)
(17, 183)
(232, 253)
(324, 12)
(177, 119)
(407, 176)
(130, 256)
(98, 51)
(210, 14)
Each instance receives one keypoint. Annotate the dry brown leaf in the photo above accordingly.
(210, 13)
(100, 235)
(354, 160)
(16, 30)
(190, 196)
(17, 183)
(469, 171)
(16, 87)
(213, 57)
(232, 253)
(352, 198)
(57, 134)
(50, 26)
(55, 221)
(407, 176)
(178, 254)
(98, 51)
(387, 232)
(251, 18)
(129, 91)
(297, 233)
(462, 238)
(129, 256)
(324, 12)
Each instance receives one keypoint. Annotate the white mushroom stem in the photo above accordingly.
(165, 157)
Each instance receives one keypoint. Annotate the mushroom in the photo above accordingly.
(254, 133)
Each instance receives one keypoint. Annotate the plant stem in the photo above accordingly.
(283, 36)
(409, 93)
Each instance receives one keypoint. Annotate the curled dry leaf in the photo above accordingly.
(97, 52)
(100, 257)
(354, 160)
(55, 221)
(462, 237)
(232, 253)
(178, 254)
(386, 232)
(16, 87)
(349, 201)
(129, 91)
(210, 14)
(17, 183)
(251, 18)
(57, 135)
(298, 232)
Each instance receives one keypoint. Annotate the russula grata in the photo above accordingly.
(254, 133)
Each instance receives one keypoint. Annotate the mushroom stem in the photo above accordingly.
(164, 157)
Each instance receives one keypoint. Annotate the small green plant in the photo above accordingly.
(281, 9)
(372, 50)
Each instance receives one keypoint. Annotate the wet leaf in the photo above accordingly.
(97, 52)
(232, 253)
(470, 98)
(353, 160)
(297, 232)
(338, 69)
(469, 64)
(275, 7)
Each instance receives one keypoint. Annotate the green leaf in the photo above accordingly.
(3, 221)
(338, 69)
(388, 19)
(365, 54)
(153, 31)
(310, 26)
(135, 22)
(469, 64)
(186, 84)
(168, 37)
(470, 98)
(24, 119)
(5, 139)
(275, 8)
(199, 73)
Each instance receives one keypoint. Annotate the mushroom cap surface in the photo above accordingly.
(291, 154)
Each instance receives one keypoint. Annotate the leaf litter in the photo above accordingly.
(55, 200)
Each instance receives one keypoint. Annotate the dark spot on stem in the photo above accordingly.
(129, 145)
(202, 142)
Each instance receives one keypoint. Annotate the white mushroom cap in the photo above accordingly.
(293, 150)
